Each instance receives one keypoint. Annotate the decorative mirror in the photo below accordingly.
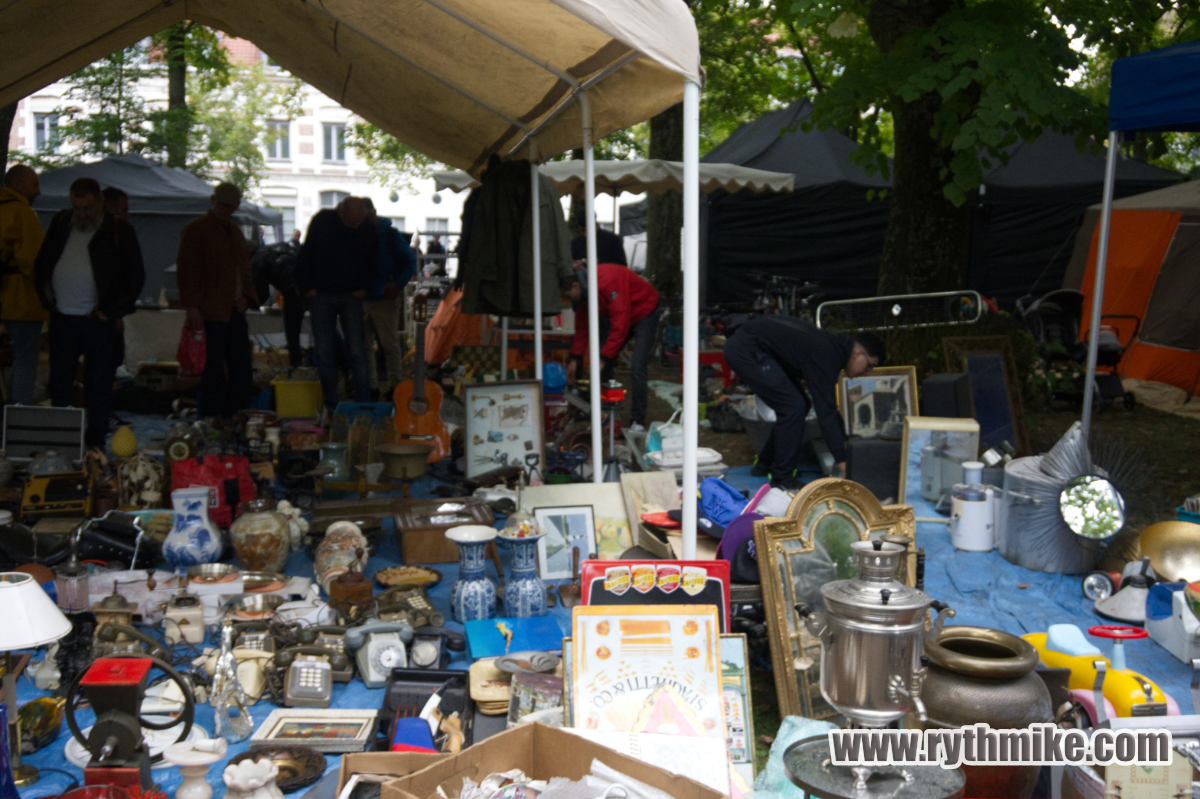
(802, 551)
(1092, 507)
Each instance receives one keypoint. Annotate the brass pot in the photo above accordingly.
(979, 675)
(404, 461)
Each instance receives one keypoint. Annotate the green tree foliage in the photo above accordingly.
(183, 45)
(230, 128)
(392, 162)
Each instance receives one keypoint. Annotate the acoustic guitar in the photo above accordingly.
(419, 401)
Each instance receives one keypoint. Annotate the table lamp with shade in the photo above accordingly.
(31, 619)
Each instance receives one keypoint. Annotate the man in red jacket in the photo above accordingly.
(629, 306)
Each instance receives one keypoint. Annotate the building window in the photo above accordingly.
(278, 145)
(397, 222)
(330, 199)
(605, 226)
(289, 222)
(268, 62)
(46, 130)
(437, 225)
(335, 142)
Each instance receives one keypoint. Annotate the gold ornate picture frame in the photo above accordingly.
(800, 552)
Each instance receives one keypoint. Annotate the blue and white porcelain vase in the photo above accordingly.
(194, 539)
(473, 595)
(524, 593)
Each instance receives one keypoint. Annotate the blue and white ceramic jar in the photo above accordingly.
(194, 539)
(473, 595)
(524, 593)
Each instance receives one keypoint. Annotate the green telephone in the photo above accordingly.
(118, 639)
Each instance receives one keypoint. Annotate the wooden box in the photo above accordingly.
(421, 525)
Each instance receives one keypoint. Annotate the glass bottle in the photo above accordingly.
(71, 581)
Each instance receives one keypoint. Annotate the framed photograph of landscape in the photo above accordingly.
(565, 527)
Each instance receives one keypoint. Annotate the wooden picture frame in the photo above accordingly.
(795, 560)
(978, 356)
(550, 564)
(959, 443)
(505, 425)
(354, 729)
(845, 397)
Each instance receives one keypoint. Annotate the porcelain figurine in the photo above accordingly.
(252, 780)
(297, 524)
(261, 537)
(337, 550)
(473, 595)
(194, 539)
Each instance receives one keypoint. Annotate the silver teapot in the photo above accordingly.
(872, 639)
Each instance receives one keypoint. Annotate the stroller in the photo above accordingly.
(1055, 319)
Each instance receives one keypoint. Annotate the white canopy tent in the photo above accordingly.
(637, 177)
(459, 80)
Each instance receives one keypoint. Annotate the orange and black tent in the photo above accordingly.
(1152, 274)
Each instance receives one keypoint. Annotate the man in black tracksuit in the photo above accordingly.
(780, 356)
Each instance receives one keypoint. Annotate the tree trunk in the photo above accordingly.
(664, 212)
(8, 113)
(926, 243)
(178, 119)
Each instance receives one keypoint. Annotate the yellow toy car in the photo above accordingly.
(1063, 646)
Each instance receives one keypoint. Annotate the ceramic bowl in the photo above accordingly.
(471, 534)
(404, 461)
(1174, 550)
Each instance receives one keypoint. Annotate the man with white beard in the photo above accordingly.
(89, 275)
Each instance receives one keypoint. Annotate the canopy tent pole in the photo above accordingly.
(1110, 172)
(537, 260)
(691, 309)
(503, 347)
(593, 289)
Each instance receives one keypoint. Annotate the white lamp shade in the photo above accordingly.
(30, 617)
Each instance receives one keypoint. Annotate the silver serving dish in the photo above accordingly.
(253, 606)
(210, 572)
(253, 582)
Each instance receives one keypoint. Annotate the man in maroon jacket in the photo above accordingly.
(629, 306)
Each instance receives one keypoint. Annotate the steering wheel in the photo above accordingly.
(185, 718)
(1119, 632)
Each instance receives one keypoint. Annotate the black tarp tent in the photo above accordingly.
(1025, 215)
(161, 201)
(1022, 227)
(827, 230)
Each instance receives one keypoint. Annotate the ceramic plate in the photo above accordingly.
(408, 576)
(159, 740)
(539, 662)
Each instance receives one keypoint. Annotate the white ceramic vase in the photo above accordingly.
(194, 539)
(252, 780)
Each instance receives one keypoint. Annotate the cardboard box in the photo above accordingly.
(398, 764)
(540, 752)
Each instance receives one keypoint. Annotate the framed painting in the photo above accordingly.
(886, 396)
(330, 731)
(504, 425)
(995, 387)
(739, 706)
(802, 551)
(565, 527)
(933, 450)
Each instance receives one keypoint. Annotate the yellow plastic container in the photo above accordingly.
(297, 399)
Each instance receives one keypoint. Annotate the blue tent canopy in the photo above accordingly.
(1158, 90)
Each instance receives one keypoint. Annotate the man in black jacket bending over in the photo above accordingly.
(89, 275)
(778, 357)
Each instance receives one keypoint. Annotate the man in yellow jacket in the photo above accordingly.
(20, 309)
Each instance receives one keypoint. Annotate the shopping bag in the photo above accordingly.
(227, 478)
(192, 351)
(665, 436)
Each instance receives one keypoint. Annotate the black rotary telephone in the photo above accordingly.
(431, 647)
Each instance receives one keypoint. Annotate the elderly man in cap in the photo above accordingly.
(216, 288)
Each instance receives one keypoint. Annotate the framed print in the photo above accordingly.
(331, 731)
(611, 520)
(568, 668)
(933, 451)
(636, 666)
(564, 527)
(504, 425)
(995, 389)
(739, 707)
(886, 396)
(802, 551)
